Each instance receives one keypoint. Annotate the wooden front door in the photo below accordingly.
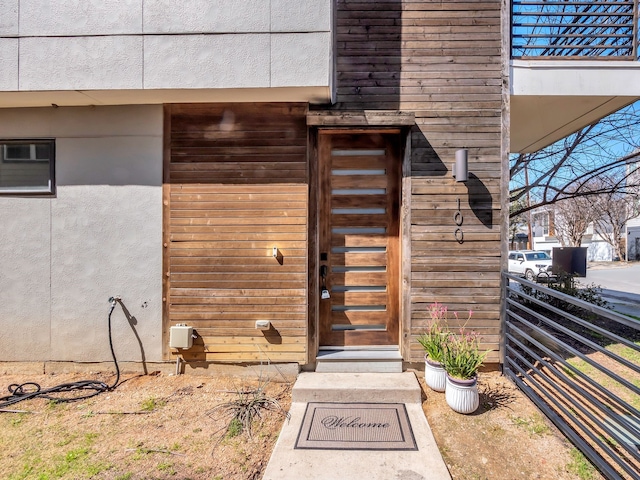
(359, 243)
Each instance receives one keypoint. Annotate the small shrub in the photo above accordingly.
(566, 284)
(247, 407)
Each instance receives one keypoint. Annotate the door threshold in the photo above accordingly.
(361, 347)
(387, 360)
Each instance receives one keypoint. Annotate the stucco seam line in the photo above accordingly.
(165, 34)
(270, 43)
(142, 43)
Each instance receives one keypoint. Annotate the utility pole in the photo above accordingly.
(530, 230)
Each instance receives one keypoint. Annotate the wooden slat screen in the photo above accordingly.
(443, 61)
(237, 187)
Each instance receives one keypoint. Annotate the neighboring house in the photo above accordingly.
(633, 225)
(545, 237)
(219, 164)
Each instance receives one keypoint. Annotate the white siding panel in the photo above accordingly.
(8, 64)
(8, 17)
(80, 17)
(25, 260)
(106, 241)
(223, 61)
(300, 15)
(300, 59)
(80, 63)
(205, 16)
(634, 222)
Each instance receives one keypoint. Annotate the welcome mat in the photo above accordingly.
(356, 426)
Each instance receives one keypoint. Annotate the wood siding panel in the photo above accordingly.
(442, 60)
(237, 187)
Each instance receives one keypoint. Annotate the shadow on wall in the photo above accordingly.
(370, 76)
(427, 163)
(368, 54)
(133, 321)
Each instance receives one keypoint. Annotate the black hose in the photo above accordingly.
(28, 390)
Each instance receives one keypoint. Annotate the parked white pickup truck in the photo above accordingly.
(530, 264)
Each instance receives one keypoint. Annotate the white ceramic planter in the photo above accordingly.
(434, 375)
(462, 395)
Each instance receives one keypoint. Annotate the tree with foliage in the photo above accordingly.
(569, 167)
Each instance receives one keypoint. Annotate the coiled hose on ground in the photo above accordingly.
(29, 390)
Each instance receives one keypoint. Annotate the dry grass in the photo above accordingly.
(151, 427)
(157, 427)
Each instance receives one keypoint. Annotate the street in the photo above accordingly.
(620, 285)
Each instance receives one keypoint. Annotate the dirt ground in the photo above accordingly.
(157, 427)
(507, 438)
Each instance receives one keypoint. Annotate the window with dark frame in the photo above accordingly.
(27, 166)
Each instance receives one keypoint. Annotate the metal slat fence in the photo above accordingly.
(574, 29)
(580, 364)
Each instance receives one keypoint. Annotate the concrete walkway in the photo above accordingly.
(287, 463)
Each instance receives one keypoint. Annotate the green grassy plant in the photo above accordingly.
(580, 466)
(534, 425)
(152, 403)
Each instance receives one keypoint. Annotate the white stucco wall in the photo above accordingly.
(62, 257)
(96, 45)
(597, 250)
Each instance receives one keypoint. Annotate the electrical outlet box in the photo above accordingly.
(181, 336)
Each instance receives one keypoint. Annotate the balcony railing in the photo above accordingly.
(606, 29)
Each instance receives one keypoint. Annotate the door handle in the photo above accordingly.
(324, 291)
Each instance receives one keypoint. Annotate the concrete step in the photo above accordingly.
(357, 387)
(289, 463)
(362, 361)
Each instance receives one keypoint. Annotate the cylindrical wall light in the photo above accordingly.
(461, 167)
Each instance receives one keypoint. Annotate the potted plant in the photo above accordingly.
(433, 342)
(461, 359)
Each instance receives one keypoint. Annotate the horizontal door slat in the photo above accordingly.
(377, 162)
(359, 201)
(357, 318)
(359, 298)
(358, 181)
(361, 259)
(359, 220)
(358, 240)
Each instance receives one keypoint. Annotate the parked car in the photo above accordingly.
(531, 264)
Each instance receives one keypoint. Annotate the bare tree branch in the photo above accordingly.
(571, 167)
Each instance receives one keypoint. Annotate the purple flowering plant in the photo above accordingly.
(460, 353)
(434, 340)
(462, 356)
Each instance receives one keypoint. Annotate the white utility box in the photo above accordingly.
(263, 324)
(181, 336)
